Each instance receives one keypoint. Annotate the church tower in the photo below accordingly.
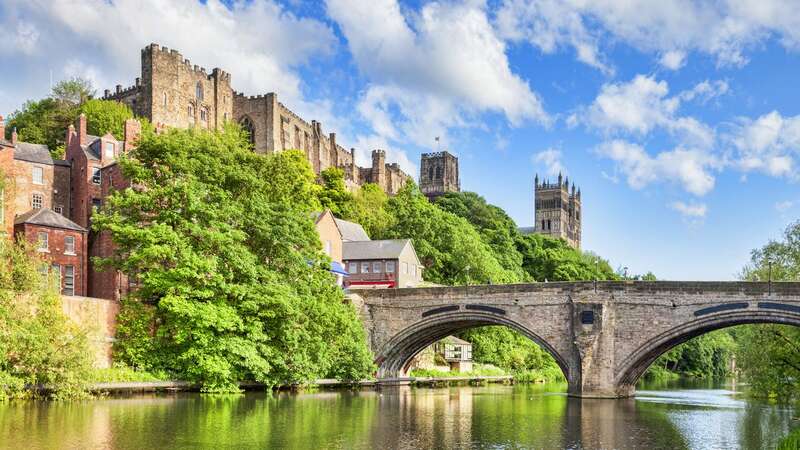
(558, 210)
(438, 174)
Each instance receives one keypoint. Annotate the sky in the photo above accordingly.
(679, 120)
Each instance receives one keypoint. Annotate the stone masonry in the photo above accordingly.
(557, 210)
(438, 174)
(603, 335)
(173, 92)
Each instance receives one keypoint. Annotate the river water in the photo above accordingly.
(490, 417)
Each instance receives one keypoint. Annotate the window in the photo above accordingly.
(549, 225)
(389, 266)
(430, 172)
(353, 267)
(96, 203)
(438, 173)
(96, 175)
(405, 268)
(249, 128)
(38, 175)
(203, 114)
(37, 201)
(364, 267)
(191, 111)
(69, 280)
(44, 242)
(59, 210)
(69, 245)
(164, 99)
(198, 91)
(376, 267)
(108, 149)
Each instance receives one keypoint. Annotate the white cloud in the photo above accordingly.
(642, 105)
(784, 206)
(690, 169)
(723, 29)
(769, 144)
(550, 159)
(259, 43)
(690, 210)
(673, 59)
(364, 144)
(433, 70)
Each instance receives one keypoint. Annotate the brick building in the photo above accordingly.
(175, 93)
(63, 244)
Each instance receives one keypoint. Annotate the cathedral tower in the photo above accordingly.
(558, 210)
(438, 174)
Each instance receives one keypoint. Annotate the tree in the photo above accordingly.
(39, 345)
(73, 92)
(233, 283)
(106, 116)
(769, 355)
(334, 194)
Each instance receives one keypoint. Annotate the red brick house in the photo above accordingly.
(63, 244)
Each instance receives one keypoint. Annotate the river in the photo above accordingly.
(670, 416)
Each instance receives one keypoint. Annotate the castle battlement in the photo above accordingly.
(298, 118)
(441, 154)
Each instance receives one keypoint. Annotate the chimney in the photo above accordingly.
(14, 136)
(2, 129)
(70, 134)
(132, 131)
(82, 139)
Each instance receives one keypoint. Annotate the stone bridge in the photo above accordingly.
(603, 335)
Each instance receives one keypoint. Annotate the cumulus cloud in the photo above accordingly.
(270, 42)
(769, 144)
(784, 206)
(432, 69)
(690, 210)
(550, 159)
(690, 169)
(724, 30)
(643, 104)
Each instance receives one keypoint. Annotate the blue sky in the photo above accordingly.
(679, 120)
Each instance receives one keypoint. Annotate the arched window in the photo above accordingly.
(190, 110)
(165, 99)
(198, 91)
(438, 173)
(430, 172)
(249, 128)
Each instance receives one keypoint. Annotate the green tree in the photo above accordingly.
(769, 355)
(39, 345)
(73, 92)
(547, 259)
(232, 280)
(105, 116)
(334, 194)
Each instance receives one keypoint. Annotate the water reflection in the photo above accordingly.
(497, 417)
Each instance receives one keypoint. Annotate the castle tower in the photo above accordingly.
(558, 210)
(379, 168)
(438, 174)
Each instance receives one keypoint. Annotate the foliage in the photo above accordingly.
(334, 194)
(507, 349)
(790, 442)
(121, 373)
(547, 259)
(39, 345)
(479, 370)
(106, 116)
(769, 355)
(233, 284)
(706, 356)
(73, 92)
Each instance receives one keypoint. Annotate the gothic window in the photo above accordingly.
(164, 100)
(191, 111)
(549, 225)
(203, 114)
(199, 91)
(542, 224)
(430, 172)
(249, 128)
(438, 173)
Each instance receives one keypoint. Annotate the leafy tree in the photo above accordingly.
(72, 92)
(451, 250)
(370, 210)
(39, 345)
(232, 280)
(334, 194)
(106, 116)
(769, 355)
(547, 259)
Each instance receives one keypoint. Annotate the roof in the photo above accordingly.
(455, 340)
(48, 218)
(61, 162)
(35, 153)
(385, 249)
(92, 147)
(526, 230)
(351, 231)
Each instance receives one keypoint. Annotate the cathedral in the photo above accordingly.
(172, 92)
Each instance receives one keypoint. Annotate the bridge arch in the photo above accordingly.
(635, 364)
(396, 354)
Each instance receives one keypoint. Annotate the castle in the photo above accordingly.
(438, 174)
(174, 93)
(558, 210)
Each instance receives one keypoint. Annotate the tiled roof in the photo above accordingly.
(35, 153)
(48, 218)
(92, 147)
(351, 231)
(385, 249)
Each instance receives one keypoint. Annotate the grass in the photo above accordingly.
(790, 442)
(121, 374)
(479, 370)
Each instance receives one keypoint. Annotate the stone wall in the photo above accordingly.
(438, 174)
(99, 316)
